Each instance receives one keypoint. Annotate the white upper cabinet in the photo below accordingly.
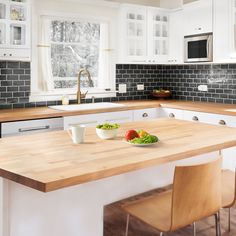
(198, 17)
(176, 37)
(14, 30)
(144, 34)
(232, 29)
(223, 28)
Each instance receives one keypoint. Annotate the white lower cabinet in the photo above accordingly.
(146, 114)
(94, 119)
(171, 113)
(31, 126)
(229, 154)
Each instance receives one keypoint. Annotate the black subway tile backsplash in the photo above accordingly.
(182, 80)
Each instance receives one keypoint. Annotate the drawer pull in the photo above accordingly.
(195, 118)
(222, 122)
(172, 115)
(24, 130)
(145, 115)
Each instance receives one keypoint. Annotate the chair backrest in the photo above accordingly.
(196, 193)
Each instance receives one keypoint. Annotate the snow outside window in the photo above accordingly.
(66, 46)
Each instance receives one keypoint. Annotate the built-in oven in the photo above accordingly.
(198, 48)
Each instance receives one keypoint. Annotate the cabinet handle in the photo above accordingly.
(24, 130)
(145, 115)
(172, 115)
(195, 118)
(222, 122)
(10, 55)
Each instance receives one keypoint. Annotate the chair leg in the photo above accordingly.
(229, 220)
(127, 225)
(194, 229)
(161, 234)
(218, 225)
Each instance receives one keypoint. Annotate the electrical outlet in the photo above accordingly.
(140, 87)
(203, 88)
(122, 88)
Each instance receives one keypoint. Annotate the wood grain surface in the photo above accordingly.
(50, 161)
(18, 114)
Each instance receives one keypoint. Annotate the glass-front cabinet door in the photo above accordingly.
(158, 28)
(14, 28)
(135, 25)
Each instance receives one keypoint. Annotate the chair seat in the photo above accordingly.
(228, 188)
(154, 211)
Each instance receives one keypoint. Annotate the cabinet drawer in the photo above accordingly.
(118, 117)
(172, 113)
(145, 114)
(31, 126)
(15, 54)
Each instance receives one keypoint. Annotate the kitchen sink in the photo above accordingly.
(89, 106)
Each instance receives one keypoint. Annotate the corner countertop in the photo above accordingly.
(50, 161)
(19, 114)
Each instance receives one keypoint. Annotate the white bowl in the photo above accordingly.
(106, 134)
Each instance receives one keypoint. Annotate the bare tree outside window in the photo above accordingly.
(74, 45)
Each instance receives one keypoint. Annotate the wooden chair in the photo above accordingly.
(196, 195)
(228, 191)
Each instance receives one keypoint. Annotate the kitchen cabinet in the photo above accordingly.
(30, 127)
(229, 154)
(146, 114)
(172, 113)
(232, 30)
(176, 37)
(198, 17)
(15, 30)
(144, 34)
(94, 119)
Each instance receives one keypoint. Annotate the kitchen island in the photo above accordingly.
(53, 187)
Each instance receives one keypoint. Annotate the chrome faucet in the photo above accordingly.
(79, 94)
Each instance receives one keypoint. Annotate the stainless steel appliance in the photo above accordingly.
(198, 48)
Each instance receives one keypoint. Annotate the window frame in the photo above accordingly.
(40, 95)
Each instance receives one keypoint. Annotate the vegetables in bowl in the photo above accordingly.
(107, 131)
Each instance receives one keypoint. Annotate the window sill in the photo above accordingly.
(56, 96)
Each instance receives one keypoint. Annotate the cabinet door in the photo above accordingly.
(176, 38)
(133, 33)
(172, 113)
(30, 127)
(198, 17)
(146, 114)
(158, 35)
(87, 120)
(118, 117)
(232, 30)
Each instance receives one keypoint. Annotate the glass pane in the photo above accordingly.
(164, 31)
(140, 17)
(197, 49)
(75, 45)
(157, 30)
(131, 48)
(139, 48)
(157, 18)
(17, 13)
(131, 16)
(165, 18)
(2, 11)
(164, 47)
(157, 50)
(131, 29)
(2, 33)
(23, 1)
(139, 30)
(17, 34)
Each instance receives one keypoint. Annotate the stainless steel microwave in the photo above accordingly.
(198, 48)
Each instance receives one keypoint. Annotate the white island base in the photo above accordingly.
(77, 210)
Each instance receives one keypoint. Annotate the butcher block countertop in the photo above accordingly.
(19, 114)
(50, 161)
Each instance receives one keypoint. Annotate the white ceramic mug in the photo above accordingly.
(77, 133)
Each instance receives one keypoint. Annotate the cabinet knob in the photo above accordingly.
(145, 115)
(10, 55)
(172, 115)
(4, 54)
(195, 118)
(222, 122)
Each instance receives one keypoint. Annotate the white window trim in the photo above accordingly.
(36, 94)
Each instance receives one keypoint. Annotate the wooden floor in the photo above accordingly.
(115, 221)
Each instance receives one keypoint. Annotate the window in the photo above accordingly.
(68, 45)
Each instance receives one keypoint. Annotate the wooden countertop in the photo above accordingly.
(8, 115)
(50, 161)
